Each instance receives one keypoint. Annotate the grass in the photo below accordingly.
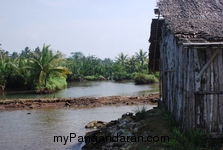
(140, 112)
(158, 122)
(191, 140)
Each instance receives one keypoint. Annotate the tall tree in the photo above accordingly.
(131, 64)
(122, 58)
(46, 64)
(77, 55)
(141, 57)
(4, 63)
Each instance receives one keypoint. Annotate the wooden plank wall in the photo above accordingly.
(179, 69)
(208, 104)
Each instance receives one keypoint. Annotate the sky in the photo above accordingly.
(103, 28)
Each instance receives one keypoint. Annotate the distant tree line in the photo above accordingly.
(45, 70)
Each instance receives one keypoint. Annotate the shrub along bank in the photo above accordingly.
(141, 78)
(44, 70)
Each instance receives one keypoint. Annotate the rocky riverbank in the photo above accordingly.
(147, 129)
(82, 102)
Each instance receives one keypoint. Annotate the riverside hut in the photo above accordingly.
(186, 47)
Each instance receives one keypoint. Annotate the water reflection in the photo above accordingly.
(95, 89)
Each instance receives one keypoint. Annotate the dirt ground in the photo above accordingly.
(82, 102)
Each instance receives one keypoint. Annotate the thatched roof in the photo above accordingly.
(194, 18)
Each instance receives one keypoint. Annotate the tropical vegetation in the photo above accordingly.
(44, 70)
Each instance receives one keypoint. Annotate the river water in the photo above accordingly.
(95, 89)
(36, 130)
(20, 131)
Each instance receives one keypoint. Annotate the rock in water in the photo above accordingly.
(95, 124)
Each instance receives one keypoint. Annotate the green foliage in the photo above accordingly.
(83, 67)
(2, 82)
(192, 140)
(94, 78)
(4, 68)
(47, 64)
(157, 75)
(119, 72)
(141, 78)
(129, 76)
(90, 78)
(53, 84)
(125, 66)
(100, 77)
(119, 76)
(33, 69)
(90, 67)
(122, 58)
(141, 57)
(56, 83)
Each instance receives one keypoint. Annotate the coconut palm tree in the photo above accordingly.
(141, 57)
(121, 58)
(46, 64)
(131, 64)
(4, 68)
(3, 72)
(21, 75)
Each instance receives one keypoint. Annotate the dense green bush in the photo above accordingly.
(118, 76)
(90, 78)
(31, 69)
(129, 76)
(157, 75)
(55, 83)
(100, 77)
(141, 78)
(94, 78)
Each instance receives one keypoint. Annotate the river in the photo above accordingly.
(91, 89)
(35, 129)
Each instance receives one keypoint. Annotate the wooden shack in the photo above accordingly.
(190, 47)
